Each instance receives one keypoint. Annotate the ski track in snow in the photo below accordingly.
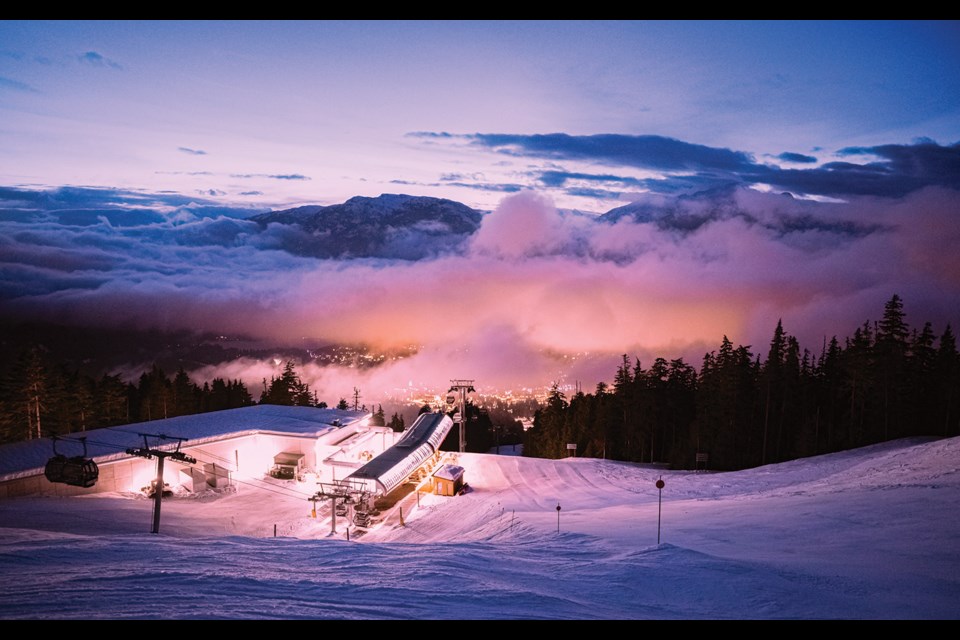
(870, 533)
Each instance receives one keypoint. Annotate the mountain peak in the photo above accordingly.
(390, 225)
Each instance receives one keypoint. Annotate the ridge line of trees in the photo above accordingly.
(39, 398)
(887, 381)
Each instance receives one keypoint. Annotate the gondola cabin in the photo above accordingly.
(76, 471)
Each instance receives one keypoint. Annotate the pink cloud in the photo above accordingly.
(539, 295)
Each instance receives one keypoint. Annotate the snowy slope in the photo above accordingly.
(871, 533)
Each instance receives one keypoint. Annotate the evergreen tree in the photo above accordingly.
(284, 389)
(154, 395)
(921, 385)
(948, 387)
(858, 376)
(790, 416)
(288, 389)
(219, 395)
(545, 438)
(35, 391)
(302, 395)
(678, 409)
(773, 382)
(891, 362)
(396, 422)
(112, 401)
(80, 407)
(627, 442)
(29, 392)
(237, 395)
(829, 393)
(185, 394)
(727, 408)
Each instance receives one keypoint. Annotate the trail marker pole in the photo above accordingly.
(558, 517)
(659, 504)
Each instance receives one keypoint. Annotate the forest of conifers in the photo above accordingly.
(886, 381)
(40, 397)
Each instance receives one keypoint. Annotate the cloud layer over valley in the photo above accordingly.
(524, 298)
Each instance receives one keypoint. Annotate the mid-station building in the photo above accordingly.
(287, 443)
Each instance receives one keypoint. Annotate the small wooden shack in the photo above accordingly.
(287, 465)
(448, 480)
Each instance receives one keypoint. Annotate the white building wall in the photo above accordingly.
(332, 455)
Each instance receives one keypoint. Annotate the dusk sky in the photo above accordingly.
(132, 152)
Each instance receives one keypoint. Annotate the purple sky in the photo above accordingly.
(130, 154)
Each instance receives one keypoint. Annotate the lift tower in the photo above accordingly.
(461, 388)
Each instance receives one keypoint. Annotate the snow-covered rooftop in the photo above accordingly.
(25, 458)
(449, 472)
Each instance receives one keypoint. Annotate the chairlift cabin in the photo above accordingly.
(77, 471)
(361, 519)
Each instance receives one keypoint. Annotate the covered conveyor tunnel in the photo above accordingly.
(418, 446)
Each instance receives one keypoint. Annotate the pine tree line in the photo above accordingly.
(887, 381)
(39, 398)
(288, 389)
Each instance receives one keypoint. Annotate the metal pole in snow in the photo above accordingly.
(158, 495)
(558, 517)
(333, 514)
(274, 530)
(659, 503)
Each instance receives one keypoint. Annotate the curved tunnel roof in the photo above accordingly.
(418, 443)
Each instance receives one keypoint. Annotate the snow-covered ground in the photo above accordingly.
(870, 533)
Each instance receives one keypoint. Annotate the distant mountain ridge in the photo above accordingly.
(399, 226)
(388, 226)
